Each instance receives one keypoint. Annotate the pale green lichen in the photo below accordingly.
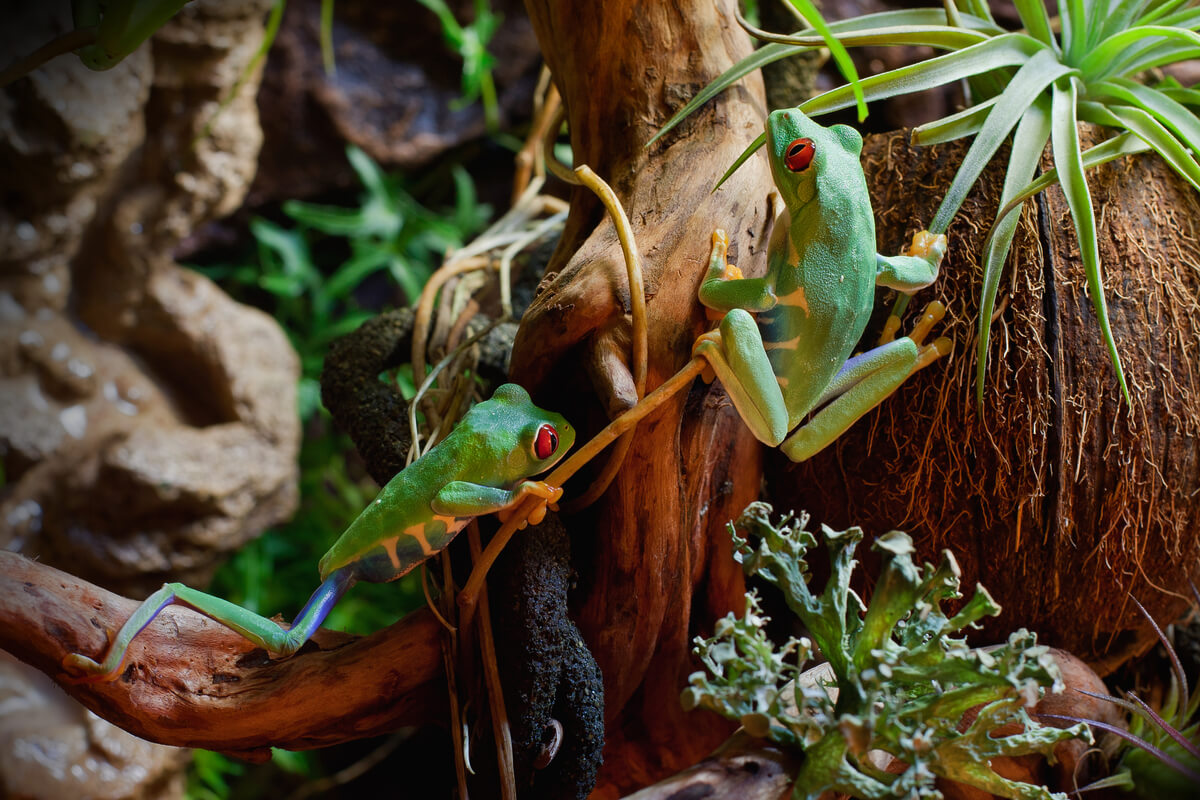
(901, 680)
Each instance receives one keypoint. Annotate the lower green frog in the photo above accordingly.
(482, 467)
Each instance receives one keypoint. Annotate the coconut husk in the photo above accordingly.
(1062, 499)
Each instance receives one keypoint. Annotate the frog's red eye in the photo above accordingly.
(799, 155)
(546, 442)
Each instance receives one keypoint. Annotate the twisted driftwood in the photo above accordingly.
(189, 681)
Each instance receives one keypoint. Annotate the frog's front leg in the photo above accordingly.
(724, 288)
(261, 631)
(466, 499)
(915, 268)
(735, 350)
(864, 382)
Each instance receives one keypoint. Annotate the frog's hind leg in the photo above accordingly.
(864, 382)
(735, 352)
(261, 631)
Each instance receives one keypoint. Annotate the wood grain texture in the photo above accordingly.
(191, 682)
(653, 553)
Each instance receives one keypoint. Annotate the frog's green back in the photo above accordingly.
(825, 278)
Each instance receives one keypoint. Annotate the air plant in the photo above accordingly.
(1033, 86)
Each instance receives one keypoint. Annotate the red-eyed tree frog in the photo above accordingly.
(480, 468)
(816, 298)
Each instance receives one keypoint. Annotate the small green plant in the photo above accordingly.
(389, 230)
(307, 276)
(210, 774)
(902, 679)
(1034, 85)
(470, 42)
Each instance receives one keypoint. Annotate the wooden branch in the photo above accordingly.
(191, 682)
(653, 554)
(744, 768)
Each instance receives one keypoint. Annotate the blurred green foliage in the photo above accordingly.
(470, 41)
(315, 273)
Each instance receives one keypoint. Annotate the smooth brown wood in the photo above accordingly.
(653, 553)
(743, 768)
(191, 682)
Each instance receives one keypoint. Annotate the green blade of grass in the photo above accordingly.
(1187, 97)
(836, 49)
(1155, 55)
(749, 151)
(1036, 21)
(1119, 18)
(1029, 141)
(941, 37)
(1167, 111)
(1125, 144)
(409, 275)
(372, 177)
(1096, 113)
(1183, 18)
(932, 17)
(332, 220)
(326, 34)
(1094, 15)
(756, 60)
(364, 262)
(1160, 10)
(980, 9)
(953, 16)
(341, 326)
(953, 126)
(1029, 82)
(1012, 49)
(289, 251)
(1153, 133)
(1074, 28)
(1064, 139)
(1105, 58)
(274, 20)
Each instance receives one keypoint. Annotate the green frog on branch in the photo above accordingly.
(812, 305)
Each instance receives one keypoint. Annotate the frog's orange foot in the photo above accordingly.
(81, 669)
(550, 495)
(940, 348)
(929, 246)
(933, 314)
(705, 343)
(720, 246)
(729, 272)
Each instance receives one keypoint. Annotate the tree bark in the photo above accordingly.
(653, 554)
(193, 682)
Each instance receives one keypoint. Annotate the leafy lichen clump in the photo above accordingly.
(900, 680)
